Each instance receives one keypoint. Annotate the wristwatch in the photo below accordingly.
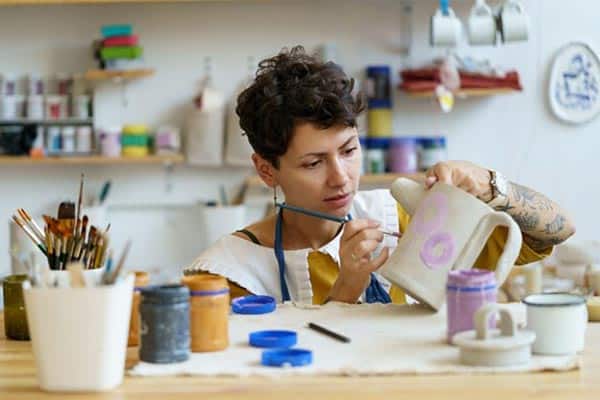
(499, 189)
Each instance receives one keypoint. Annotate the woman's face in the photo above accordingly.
(321, 168)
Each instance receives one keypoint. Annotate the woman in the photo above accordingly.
(300, 118)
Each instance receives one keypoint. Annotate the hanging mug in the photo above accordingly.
(513, 22)
(445, 29)
(482, 25)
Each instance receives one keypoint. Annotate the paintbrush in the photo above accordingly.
(317, 214)
(115, 274)
(78, 210)
(29, 233)
(31, 222)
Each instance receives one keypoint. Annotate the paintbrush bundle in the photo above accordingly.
(67, 238)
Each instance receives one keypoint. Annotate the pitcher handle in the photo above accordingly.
(484, 229)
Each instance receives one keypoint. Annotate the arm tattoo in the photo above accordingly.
(541, 220)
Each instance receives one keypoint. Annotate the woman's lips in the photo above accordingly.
(338, 201)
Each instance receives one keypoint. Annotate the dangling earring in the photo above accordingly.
(275, 197)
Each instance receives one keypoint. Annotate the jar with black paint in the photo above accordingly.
(165, 324)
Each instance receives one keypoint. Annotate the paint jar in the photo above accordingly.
(8, 85)
(81, 106)
(84, 139)
(378, 86)
(142, 279)
(54, 107)
(377, 149)
(466, 291)
(8, 107)
(35, 107)
(53, 139)
(15, 317)
(20, 106)
(209, 312)
(37, 149)
(35, 85)
(432, 150)
(68, 139)
(110, 142)
(64, 82)
(165, 321)
(379, 122)
(403, 155)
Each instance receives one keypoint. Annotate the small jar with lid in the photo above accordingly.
(165, 324)
(142, 279)
(377, 149)
(209, 312)
(403, 155)
(432, 150)
(15, 316)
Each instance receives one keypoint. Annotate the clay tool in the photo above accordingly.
(317, 214)
(327, 332)
(29, 233)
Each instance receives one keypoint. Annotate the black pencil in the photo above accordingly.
(329, 333)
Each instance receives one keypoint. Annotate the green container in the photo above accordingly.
(15, 317)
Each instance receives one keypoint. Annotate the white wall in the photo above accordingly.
(514, 134)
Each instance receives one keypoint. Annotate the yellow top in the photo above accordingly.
(324, 270)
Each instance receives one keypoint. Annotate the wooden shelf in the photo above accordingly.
(90, 160)
(65, 2)
(464, 93)
(365, 180)
(103, 74)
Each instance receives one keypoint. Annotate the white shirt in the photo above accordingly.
(254, 267)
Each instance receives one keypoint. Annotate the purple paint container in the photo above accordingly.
(466, 291)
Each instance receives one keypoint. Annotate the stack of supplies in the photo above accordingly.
(135, 141)
(119, 48)
(379, 118)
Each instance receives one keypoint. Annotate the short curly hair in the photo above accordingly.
(291, 88)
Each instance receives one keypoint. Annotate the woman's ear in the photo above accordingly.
(265, 170)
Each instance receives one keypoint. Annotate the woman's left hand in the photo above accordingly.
(462, 174)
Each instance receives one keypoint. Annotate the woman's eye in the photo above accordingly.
(350, 151)
(313, 164)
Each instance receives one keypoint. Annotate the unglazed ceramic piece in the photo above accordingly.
(448, 229)
(494, 347)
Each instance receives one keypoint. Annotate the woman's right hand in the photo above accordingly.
(360, 238)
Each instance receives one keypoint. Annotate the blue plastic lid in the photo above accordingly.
(374, 103)
(253, 305)
(378, 69)
(279, 339)
(378, 143)
(283, 357)
(363, 140)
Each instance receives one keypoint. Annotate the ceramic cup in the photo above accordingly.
(482, 25)
(513, 22)
(445, 30)
(448, 230)
(559, 321)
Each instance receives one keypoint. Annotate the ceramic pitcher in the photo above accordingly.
(448, 229)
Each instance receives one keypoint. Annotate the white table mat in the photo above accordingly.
(385, 340)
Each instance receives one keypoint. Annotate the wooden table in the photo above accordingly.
(18, 381)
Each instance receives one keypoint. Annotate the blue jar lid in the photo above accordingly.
(284, 357)
(378, 143)
(363, 141)
(378, 69)
(436, 141)
(278, 339)
(403, 140)
(373, 103)
(165, 294)
(253, 305)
